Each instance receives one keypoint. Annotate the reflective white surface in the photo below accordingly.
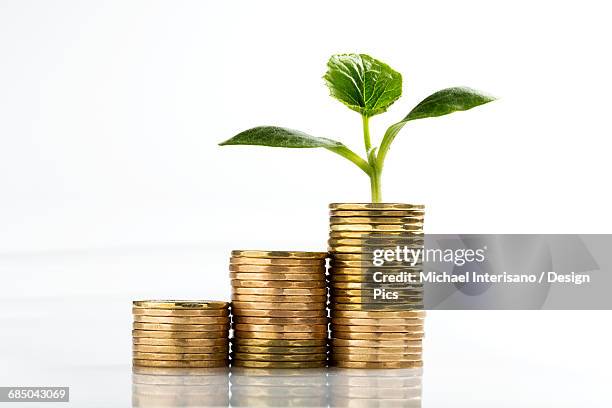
(475, 359)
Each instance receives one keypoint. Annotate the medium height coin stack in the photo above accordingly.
(180, 334)
(279, 309)
(376, 318)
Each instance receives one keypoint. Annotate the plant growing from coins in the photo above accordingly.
(367, 86)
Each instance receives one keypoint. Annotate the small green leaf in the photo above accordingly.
(448, 101)
(364, 84)
(274, 136)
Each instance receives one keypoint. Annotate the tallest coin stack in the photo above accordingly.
(375, 324)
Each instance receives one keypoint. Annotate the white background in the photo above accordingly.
(112, 186)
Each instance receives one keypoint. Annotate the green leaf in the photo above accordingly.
(362, 83)
(448, 101)
(440, 103)
(274, 136)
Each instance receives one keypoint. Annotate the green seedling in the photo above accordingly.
(368, 86)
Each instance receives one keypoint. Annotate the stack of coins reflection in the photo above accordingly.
(180, 387)
(187, 334)
(375, 388)
(278, 387)
(376, 296)
(279, 309)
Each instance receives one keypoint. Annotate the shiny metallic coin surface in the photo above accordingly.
(181, 363)
(180, 334)
(180, 342)
(180, 304)
(278, 364)
(141, 311)
(239, 311)
(181, 327)
(182, 319)
(279, 254)
(179, 356)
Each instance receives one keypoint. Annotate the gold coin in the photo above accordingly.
(377, 227)
(410, 220)
(181, 327)
(279, 357)
(278, 342)
(281, 336)
(180, 304)
(377, 329)
(141, 311)
(376, 213)
(180, 363)
(279, 254)
(367, 263)
(377, 336)
(179, 334)
(277, 269)
(377, 357)
(404, 300)
(373, 314)
(375, 307)
(385, 364)
(278, 306)
(286, 328)
(279, 313)
(377, 322)
(280, 320)
(372, 285)
(179, 356)
(371, 270)
(375, 234)
(377, 343)
(376, 350)
(382, 243)
(174, 349)
(280, 291)
(278, 364)
(280, 298)
(276, 261)
(339, 258)
(314, 284)
(183, 372)
(279, 350)
(181, 319)
(368, 292)
(190, 342)
(277, 276)
(375, 206)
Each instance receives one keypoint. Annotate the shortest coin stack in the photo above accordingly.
(176, 333)
(279, 309)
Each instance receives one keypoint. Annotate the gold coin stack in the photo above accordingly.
(279, 309)
(375, 324)
(184, 334)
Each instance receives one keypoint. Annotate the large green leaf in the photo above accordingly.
(440, 103)
(362, 83)
(274, 136)
(447, 101)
